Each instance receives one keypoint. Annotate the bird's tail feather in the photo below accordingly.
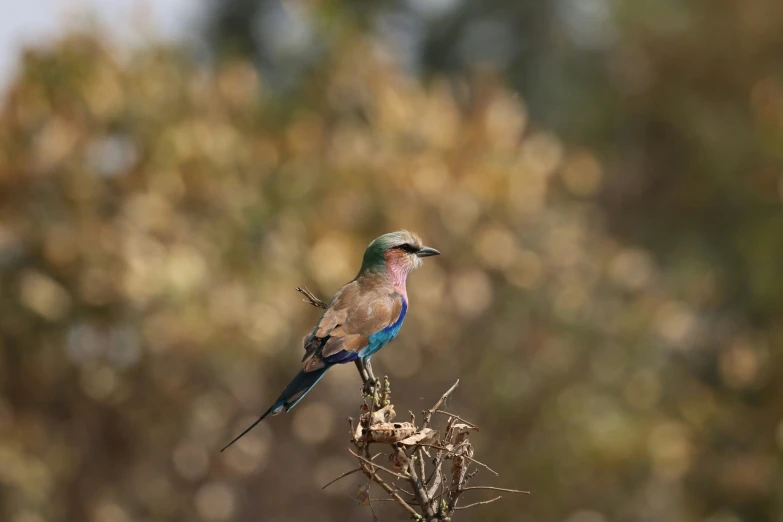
(299, 387)
(292, 394)
(262, 417)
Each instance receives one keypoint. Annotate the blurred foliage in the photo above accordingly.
(156, 215)
(687, 124)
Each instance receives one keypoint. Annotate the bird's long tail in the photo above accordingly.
(293, 393)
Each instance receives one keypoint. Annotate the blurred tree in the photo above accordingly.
(155, 217)
(682, 102)
(688, 124)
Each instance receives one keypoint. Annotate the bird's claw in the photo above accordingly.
(370, 386)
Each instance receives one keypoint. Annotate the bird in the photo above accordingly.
(362, 317)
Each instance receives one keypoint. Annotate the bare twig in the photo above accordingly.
(479, 503)
(458, 418)
(398, 488)
(341, 476)
(459, 466)
(418, 486)
(491, 488)
(434, 481)
(475, 461)
(374, 476)
(310, 298)
(391, 500)
(369, 503)
(428, 414)
(387, 470)
(482, 465)
(420, 458)
(347, 473)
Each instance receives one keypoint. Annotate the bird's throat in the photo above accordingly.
(398, 275)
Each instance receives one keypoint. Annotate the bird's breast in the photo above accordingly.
(379, 339)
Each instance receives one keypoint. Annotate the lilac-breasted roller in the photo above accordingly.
(362, 317)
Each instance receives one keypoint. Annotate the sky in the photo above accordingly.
(27, 22)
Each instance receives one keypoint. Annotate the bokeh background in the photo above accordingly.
(603, 177)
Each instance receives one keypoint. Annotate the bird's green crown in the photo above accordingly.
(405, 241)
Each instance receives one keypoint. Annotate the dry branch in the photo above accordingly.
(409, 462)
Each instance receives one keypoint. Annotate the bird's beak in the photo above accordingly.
(427, 252)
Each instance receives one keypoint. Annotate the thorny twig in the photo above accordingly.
(409, 456)
(310, 298)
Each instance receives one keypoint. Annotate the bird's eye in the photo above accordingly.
(407, 247)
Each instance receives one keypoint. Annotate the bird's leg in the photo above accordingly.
(372, 382)
(362, 370)
(368, 379)
(368, 369)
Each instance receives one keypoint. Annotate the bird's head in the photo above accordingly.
(398, 252)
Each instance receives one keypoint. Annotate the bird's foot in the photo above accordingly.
(371, 386)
